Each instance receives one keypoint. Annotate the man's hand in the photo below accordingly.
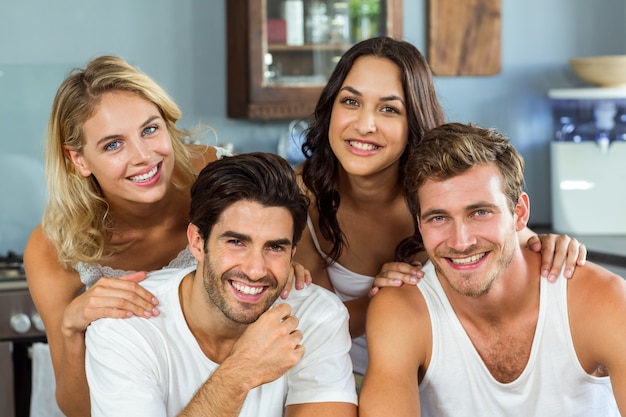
(270, 346)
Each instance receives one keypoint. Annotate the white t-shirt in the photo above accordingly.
(152, 367)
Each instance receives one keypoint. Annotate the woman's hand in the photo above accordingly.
(302, 277)
(110, 297)
(556, 251)
(394, 274)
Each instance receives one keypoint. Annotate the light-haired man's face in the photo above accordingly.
(248, 259)
(469, 232)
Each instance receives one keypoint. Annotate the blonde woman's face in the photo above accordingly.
(127, 148)
(368, 126)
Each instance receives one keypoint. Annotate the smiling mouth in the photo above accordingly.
(245, 289)
(363, 146)
(147, 176)
(469, 260)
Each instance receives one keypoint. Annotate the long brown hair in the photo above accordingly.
(320, 170)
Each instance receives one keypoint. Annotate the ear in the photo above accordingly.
(522, 211)
(196, 243)
(79, 162)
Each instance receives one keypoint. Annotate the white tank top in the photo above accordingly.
(457, 382)
(348, 286)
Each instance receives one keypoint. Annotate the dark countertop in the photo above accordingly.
(607, 249)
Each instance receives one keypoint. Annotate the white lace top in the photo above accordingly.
(90, 273)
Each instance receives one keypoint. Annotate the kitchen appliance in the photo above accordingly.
(20, 327)
(588, 161)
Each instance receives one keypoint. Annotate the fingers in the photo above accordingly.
(272, 344)
(394, 274)
(558, 252)
(302, 276)
(112, 297)
(135, 276)
(287, 289)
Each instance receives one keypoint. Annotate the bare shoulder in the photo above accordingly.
(399, 316)
(202, 155)
(593, 286)
(406, 297)
(43, 268)
(310, 258)
(597, 315)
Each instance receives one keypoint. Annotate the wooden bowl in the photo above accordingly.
(602, 70)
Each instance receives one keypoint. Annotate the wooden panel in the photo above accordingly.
(464, 37)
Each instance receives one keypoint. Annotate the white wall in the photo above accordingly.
(181, 43)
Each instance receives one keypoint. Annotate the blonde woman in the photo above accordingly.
(119, 173)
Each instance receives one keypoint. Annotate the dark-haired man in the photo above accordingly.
(222, 345)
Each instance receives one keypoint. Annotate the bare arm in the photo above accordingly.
(66, 316)
(597, 315)
(321, 409)
(398, 339)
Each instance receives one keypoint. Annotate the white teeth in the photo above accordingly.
(363, 146)
(245, 289)
(468, 260)
(145, 177)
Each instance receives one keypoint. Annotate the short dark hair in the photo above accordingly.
(264, 178)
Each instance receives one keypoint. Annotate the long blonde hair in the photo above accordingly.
(76, 218)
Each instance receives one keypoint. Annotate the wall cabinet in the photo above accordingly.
(281, 52)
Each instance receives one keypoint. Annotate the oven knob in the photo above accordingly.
(37, 322)
(20, 323)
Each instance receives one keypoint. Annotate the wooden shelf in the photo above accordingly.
(249, 95)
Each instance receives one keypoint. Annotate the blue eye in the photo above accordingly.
(149, 130)
(111, 146)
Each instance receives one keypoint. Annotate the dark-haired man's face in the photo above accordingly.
(248, 259)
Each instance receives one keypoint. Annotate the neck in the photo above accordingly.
(214, 333)
(134, 215)
(380, 188)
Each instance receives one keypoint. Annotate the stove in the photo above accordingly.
(20, 327)
(11, 267)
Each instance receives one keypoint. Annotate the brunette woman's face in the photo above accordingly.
(368, 126)
(127, 148)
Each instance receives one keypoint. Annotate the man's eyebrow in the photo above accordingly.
(471, 207)
(246, 238)
(279, 242)
(432, 212)
(235, 235)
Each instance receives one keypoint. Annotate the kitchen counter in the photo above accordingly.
(606, 250)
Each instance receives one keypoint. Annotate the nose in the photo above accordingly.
(461, 237)
(140, 151)
(365, 123)
(254, 265)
